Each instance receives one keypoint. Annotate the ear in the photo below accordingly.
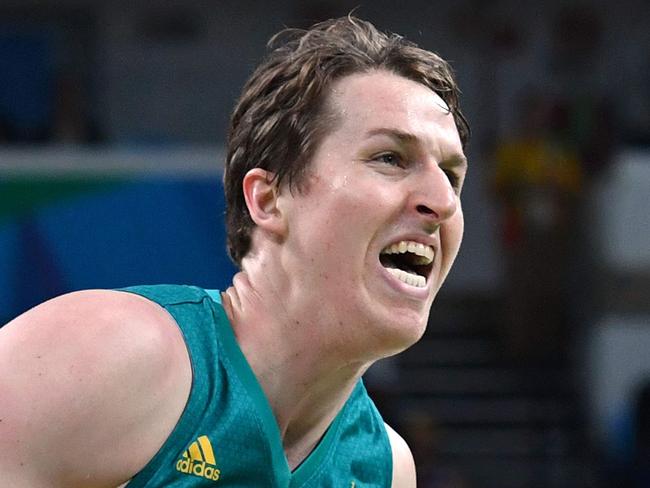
(261, 195)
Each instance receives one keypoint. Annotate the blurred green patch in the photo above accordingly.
(24, 195)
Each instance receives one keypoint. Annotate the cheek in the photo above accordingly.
(346, 229)
(453, 236)
(343, 204)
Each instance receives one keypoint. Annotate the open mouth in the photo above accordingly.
(409, 261)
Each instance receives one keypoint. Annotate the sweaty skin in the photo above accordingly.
(94, 382)
(390, 171)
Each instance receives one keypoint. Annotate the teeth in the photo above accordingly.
(408, 278)
(424, 253)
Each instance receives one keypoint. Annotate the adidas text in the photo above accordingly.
(198, 468)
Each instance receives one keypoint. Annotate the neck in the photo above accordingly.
(305, 377)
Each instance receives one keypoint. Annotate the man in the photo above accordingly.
(343, 177)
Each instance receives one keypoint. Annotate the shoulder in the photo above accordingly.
(94, 325)
(97, 371)
(403, 463)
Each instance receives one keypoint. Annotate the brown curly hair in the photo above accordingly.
(280, 117)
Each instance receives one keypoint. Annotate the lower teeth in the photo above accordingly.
(408, 278)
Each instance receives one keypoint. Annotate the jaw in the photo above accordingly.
(404, 308)
(407, 306)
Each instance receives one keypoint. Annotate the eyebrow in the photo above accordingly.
(400, 135)
(409, 138)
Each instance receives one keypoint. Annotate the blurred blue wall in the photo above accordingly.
(64, 234)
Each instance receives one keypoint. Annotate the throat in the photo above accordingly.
(304, 424)
(297, 455)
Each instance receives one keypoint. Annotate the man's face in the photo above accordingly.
(379, 223)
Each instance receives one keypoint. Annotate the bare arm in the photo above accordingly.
(91, 384)
(403, 464)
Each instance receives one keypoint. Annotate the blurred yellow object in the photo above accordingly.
(536, 162)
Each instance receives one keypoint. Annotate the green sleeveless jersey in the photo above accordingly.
(227, 435)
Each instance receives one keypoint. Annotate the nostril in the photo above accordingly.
(423, 209)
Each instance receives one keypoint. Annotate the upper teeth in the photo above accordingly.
(424, 253)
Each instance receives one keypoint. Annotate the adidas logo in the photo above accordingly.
(198, 460)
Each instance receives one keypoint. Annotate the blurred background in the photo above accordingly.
(535, 370)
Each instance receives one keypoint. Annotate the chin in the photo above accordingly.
(403, 333)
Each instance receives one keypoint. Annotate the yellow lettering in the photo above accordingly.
(183, 466)
(198, 469)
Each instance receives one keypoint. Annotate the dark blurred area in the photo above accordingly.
(535, 370)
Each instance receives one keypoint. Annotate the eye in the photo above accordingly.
(453, 178)
(389, 158)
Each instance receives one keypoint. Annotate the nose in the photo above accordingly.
(435, 198)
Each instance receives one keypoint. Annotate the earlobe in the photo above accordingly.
(261, 195)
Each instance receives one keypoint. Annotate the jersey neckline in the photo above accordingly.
(283, 475)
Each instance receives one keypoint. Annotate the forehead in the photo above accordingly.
(382, 99)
